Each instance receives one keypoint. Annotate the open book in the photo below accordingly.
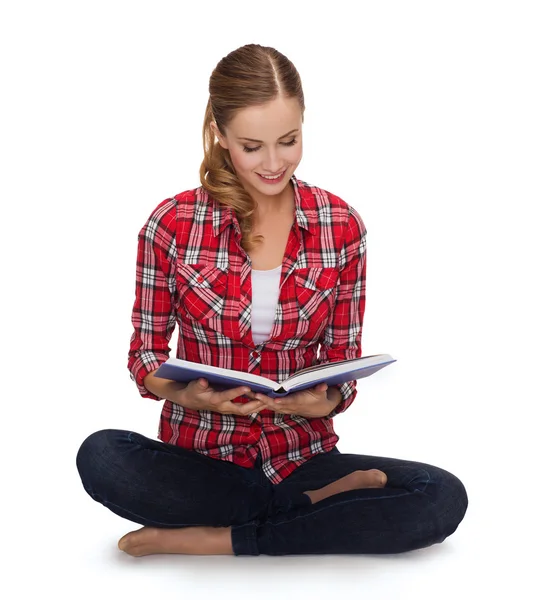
(333, 373)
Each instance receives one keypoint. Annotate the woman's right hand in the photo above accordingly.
(199, 395)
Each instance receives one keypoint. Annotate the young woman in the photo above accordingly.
(261, 271)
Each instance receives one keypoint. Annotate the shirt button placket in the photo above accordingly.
(255, 359)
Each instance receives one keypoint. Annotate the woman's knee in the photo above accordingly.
(450, 503)
(96, 453)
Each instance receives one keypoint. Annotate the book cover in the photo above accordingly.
(333, 373)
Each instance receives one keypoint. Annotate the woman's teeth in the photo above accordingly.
(271, 177)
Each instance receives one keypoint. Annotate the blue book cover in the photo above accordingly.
(331, 373)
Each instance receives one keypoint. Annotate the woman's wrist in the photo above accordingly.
(334, 395)
(164, 388)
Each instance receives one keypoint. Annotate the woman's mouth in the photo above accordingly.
(272, 178)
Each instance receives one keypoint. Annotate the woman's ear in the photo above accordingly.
(221, 139)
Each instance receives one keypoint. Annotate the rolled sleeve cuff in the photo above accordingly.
(348, 392)
(141, 364)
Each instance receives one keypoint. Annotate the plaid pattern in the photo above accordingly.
(192, 271)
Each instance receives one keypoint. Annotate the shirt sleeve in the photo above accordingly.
(153, 313)
(342, 338)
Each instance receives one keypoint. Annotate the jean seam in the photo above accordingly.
(248, 532)
(426, 482)
(313, 512)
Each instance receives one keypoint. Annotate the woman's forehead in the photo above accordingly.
(268, 121)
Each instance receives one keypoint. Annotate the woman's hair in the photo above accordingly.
(249, 76)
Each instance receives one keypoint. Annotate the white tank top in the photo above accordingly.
(265, 296)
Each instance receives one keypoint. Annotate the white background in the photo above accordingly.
(430, 118)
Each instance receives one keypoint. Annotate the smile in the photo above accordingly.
(272, 178)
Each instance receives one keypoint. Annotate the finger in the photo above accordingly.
(269, 402)
(276, 405)
(251, 407)
(252, 403)
(233, 393)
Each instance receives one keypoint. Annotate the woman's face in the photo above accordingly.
(265, 141)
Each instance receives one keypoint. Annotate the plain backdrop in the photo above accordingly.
(432, 119)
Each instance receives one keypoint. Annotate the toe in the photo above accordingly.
(123, 543)
(371, 478)
(127, 541)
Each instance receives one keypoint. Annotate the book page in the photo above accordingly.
(183, 370)
(317, 373)
(315, 368)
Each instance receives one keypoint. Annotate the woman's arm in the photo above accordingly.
(153, 313)
(164, 388)
(342, 338)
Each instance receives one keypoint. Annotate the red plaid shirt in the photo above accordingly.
(191, 270)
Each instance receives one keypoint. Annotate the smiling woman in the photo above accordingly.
(269, 158)
(199, 257)
(252, 135)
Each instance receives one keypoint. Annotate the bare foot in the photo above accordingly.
(181, 540)
(353, 481)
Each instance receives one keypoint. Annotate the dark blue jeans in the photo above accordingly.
(161, 485)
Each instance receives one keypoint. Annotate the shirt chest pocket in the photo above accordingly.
(202, 290)
(315, 290)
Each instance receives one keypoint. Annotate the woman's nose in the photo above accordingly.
(272, 163)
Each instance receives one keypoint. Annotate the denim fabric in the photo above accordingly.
(161, 485)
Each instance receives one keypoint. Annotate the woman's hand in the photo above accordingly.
(311, 403)
(199, 395)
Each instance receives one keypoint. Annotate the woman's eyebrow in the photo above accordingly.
(260, 141)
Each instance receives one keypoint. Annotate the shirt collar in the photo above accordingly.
(306, 210)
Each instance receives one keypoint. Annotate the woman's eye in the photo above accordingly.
(291, 143)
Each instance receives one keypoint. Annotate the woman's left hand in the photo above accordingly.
(310, 403)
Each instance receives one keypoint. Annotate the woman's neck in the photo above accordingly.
(275, 207)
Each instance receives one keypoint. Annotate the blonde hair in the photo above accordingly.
(249, 76)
